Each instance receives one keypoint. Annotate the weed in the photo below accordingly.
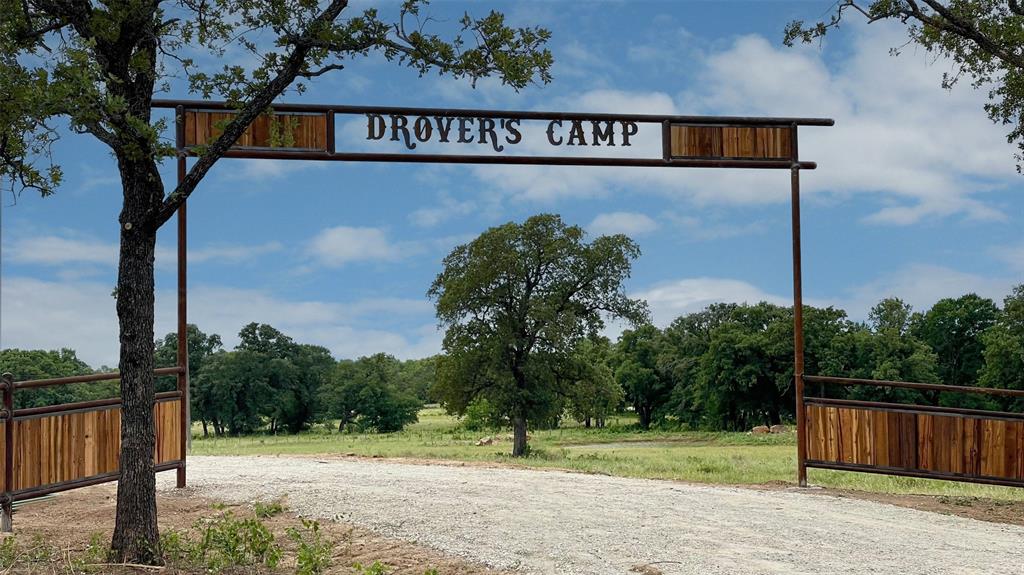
(314, 551)
(8, 552)
(228, 542)
(267, 510)
(175, 546)
(377, 568)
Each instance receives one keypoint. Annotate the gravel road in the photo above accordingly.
(548, 522)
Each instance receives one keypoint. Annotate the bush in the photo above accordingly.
(314, 552)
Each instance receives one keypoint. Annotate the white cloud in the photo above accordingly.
(923, 152)
(921, 285)
(628, 223)
(232, 253)
(713, 229)
(337, 246)
(447, 208)
(40, 314)
(77, 254)
(55, 250)
(1012, 256)
(671, 299)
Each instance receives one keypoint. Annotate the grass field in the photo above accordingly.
(620, 449)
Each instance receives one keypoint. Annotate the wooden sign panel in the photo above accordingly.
(732, 142)
(65, 447)
(965, 446)
(285, 131)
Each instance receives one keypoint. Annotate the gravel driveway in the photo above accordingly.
(566, 523)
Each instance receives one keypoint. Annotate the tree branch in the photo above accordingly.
(257, 104)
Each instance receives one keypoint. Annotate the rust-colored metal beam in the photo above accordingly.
(910, 385)
(914, 408)
(182, 355)
(922, 474)
(93, 405)
(85, 482)
(7, 502)
(798, 314)
(34, 383)
(416, 158)
(200, 105)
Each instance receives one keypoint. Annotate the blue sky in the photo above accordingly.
(916, 193)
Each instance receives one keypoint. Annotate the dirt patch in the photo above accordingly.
(68, 522)
(991, 510)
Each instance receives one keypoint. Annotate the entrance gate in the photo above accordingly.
(51, 449)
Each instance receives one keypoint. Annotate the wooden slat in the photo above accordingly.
(308, 131)
(947, 444)
(64, 447)
(730, 142)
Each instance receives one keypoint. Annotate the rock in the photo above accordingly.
(486, 441)
(761, 429)
(779, 429)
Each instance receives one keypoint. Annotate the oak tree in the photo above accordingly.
(983, 38)
(95, 66)
(515, 303)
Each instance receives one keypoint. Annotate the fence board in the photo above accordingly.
(64, 447)
(965, 446)
(730, 142)
(296, 131)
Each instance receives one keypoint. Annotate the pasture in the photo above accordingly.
(619, 450)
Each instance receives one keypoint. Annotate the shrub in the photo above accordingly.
(314, 551)
(229, 542)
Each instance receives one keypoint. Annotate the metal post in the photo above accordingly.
(7, 519)
(182, 359)
(798, 319)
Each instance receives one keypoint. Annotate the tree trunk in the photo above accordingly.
(136, 539)
(644, 413)
(586, 423)
(206, 432)
(518, 436)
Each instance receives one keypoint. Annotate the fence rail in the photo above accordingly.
(56, 448)
(927, 441)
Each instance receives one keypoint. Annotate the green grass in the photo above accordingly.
(621, 450)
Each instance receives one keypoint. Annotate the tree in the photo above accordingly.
(593, 392)
(636, 369)
(983, 38)
(417, 377)
(1004, 351)
(367, 394)
(41, 364)
(97, 65)
(953, 328)
(200, 346)
(891, 314)
(515, 303)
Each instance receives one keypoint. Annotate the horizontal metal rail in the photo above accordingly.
(913, 408)
(94, 405)
(84, 482)
(202, 105)
(921, 474)
(909, 385)
(93, 377)
(278, 154)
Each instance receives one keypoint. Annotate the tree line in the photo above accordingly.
(727, 367)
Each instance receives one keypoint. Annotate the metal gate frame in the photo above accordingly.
(696, 157)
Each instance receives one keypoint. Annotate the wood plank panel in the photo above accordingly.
(64, 447)
(742, 142)
(947, 444)
(296, 131)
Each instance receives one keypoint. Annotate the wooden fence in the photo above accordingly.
(60, 447)
(958, 444)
